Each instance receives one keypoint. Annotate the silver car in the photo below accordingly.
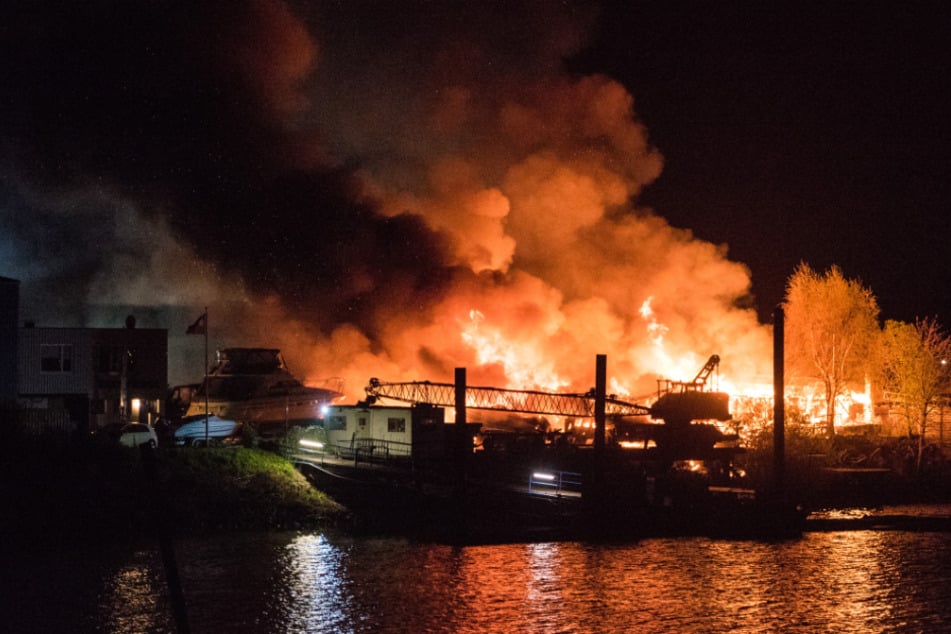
(135, 434)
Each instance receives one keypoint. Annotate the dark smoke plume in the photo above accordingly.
(188, 111)
(379, 188)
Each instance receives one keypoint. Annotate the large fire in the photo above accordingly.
(522, 364)
(373, 203)
(496, 224)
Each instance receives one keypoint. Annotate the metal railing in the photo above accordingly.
(367, 451)
(363, 450)
(555, 483)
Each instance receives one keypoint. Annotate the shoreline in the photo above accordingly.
(64, 493)
(87, 491)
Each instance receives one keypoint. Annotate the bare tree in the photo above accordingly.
(914, 366)
(831, 325)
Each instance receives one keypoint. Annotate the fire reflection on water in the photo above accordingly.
(870, 587)
(133, 599)
(855, 581)
(314, 580)
(847, 582)
(544, 582)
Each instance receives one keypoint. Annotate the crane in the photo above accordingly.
(677, 408)
(712, 364)
(678, 404)
(699, 383)
(683, 401)
(501, 399)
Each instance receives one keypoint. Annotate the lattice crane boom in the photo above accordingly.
(501, 399)
(712, 364)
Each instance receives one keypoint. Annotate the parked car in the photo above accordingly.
(135, 434)
(108, 433)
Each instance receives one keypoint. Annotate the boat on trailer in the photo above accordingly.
(254, 385)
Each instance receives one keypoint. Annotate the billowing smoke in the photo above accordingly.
(380, 189)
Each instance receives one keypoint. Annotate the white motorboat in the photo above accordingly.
(195, 430)
(253, 385)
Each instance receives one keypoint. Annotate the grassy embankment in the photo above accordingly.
(53, 489)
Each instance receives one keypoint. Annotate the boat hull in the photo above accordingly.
(491, 506)
(196, 431)
(253, 385)
(265, 411)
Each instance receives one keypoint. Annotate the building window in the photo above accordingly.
(397, 425)
(336, 423)
(362, 422)
(109, 359)
(56, 357)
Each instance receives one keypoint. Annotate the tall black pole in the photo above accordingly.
(460, 398)
(459, 448)
(160, 514)
(206, 376)
(779, 402)
(597, 485)
(124, 386)
(600, 395)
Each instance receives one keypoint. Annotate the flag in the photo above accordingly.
(200, 327)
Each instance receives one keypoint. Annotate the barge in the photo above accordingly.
(406, 468)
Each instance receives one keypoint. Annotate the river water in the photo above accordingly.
(850, 581)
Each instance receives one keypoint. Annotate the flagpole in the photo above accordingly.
(206, 377)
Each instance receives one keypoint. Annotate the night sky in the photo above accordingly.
(814, 132)
(316, 164)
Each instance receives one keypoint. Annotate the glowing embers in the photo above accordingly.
(646, 443)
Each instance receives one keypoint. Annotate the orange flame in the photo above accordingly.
(524, 366)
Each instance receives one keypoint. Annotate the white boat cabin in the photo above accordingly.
(376, 430)
(347, 422)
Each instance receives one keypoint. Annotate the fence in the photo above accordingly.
(555, 483)
(370, 450)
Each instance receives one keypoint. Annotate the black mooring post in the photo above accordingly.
(600, 390)
(460, 398)
(460, 444)
(597, 467)
(167, 548)
(779, 404)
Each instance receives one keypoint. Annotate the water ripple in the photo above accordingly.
(857, 581)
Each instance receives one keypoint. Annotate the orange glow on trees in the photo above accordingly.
(915, 371)
(831, 324)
